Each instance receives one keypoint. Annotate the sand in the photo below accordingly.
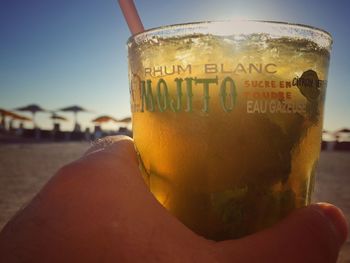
(25, 168)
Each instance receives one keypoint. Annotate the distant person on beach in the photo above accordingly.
(87, 134)
(37, 133)
(19, 131)
(98, 209)
(97, 132)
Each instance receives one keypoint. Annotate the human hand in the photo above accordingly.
(98, 209)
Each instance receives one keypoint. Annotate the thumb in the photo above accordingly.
(311, 234)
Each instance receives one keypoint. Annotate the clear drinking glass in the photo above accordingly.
(227, 120)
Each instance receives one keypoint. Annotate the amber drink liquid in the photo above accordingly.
(227, 120)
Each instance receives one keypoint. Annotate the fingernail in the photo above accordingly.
(336, 218)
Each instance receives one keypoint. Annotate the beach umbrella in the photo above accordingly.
(16, 117)
(32, 108)
(75, 109)
(20, 117)
(343, 134)
(344, 130)
(4, 113)
(13, 116)
(56, 117)
(125, 120)
(104, 118)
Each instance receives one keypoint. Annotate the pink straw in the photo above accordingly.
(131, 16)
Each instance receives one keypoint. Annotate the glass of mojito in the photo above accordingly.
(227, 120)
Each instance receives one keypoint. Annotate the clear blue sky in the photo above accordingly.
(59, 53)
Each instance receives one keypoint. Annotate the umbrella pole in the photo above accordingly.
(3, 120)
(75, 120)
(34, 122)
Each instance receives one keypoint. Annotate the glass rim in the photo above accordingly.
(327, 37)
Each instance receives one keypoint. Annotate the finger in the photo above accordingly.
(311, 234)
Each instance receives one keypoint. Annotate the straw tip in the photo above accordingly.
(131, 16)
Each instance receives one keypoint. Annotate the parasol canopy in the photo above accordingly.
(104, 118)
(32, 108)
(57, 117)
(75, 109)
(342, 135)
(5, 113)
(12, 115)
(125, 120)
(344, 130)
(20, 117)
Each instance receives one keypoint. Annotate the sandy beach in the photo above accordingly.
(25, 168)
